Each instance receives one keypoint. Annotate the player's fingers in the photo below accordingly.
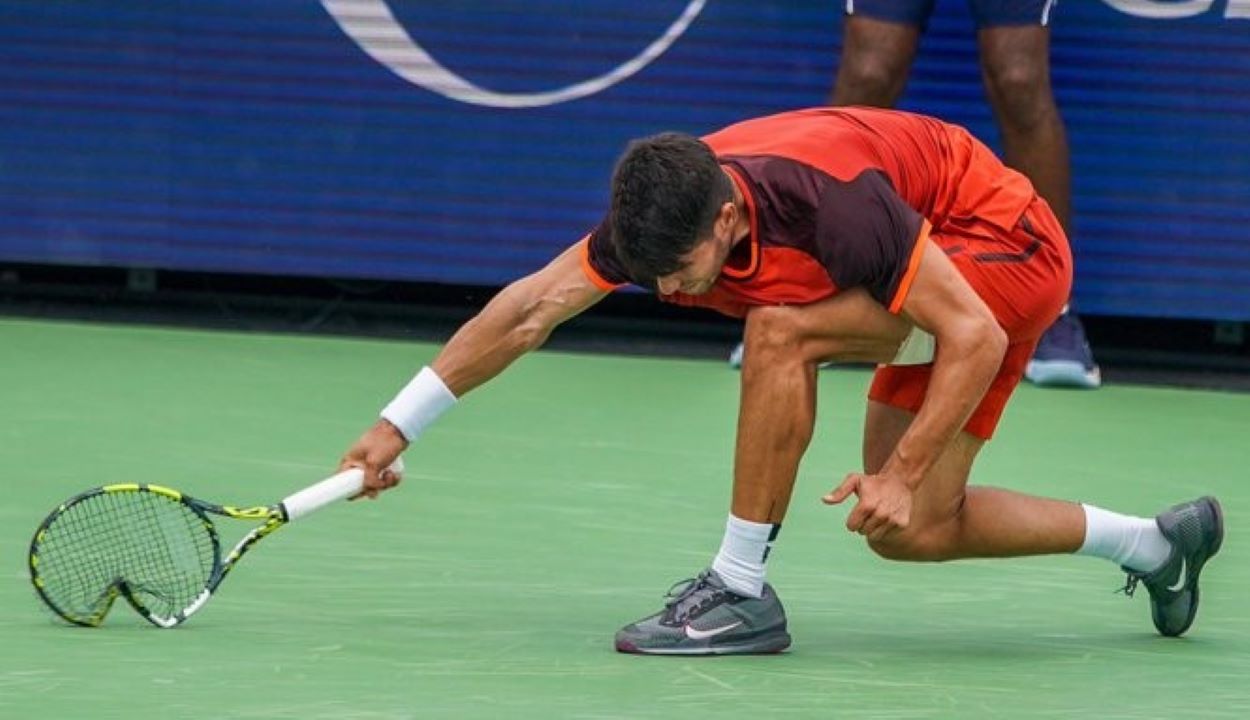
(349, 461)
(388, 479)
(872, 526)
(858, 516)
(881, 533)
(371, 482)
(843, 491)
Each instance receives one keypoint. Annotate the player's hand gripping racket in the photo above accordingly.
(153, 546)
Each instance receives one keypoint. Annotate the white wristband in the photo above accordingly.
(419, 404)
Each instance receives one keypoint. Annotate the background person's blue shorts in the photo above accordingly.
(987, 13)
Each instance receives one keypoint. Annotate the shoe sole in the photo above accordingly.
(1218, 511)
(1219, 525)
(1214, 548)
(768, 645)
(1062, 373)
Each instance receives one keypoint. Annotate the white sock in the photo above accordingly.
(1136, 543)
(740, 562)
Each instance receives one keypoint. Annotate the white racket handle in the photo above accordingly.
(331, 490)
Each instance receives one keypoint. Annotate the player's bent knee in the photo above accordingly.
(785, 334)
(912, 545)
(772, 330)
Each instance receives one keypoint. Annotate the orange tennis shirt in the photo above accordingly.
(841, 198)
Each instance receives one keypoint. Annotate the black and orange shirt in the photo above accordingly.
(839, 198)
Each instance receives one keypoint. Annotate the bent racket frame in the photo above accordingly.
(341, 486)
(274, 517)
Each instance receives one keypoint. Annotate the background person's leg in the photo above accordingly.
(1015, 67)
(875, 61)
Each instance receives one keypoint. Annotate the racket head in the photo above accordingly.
(151, 545)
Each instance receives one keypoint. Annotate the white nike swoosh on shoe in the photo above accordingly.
(1180, 583)
(696, 634)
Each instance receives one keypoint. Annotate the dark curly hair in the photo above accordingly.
(666, 192)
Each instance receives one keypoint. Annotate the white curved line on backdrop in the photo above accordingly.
(372, 25)
(1161, 10)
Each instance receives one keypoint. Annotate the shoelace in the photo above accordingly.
(674, 598)
(1130, 585)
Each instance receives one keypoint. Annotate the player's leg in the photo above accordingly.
(1014, 41)
(729, 608)
(952, 520)
(779, 388)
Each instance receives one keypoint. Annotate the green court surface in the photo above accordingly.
(558, 503)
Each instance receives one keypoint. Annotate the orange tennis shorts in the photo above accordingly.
(1024, 275)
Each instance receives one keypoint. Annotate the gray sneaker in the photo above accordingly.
(1196, 530)
(703, 617)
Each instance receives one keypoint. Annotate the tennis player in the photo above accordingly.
(838, 234)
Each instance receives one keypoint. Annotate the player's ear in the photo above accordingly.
(726, 217)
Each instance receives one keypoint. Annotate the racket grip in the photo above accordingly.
(331, 490)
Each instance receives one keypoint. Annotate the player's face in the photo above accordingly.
(700, 269)
(701, 266)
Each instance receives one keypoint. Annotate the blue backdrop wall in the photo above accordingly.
(468, 142)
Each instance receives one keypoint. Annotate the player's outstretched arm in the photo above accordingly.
(517, 320)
